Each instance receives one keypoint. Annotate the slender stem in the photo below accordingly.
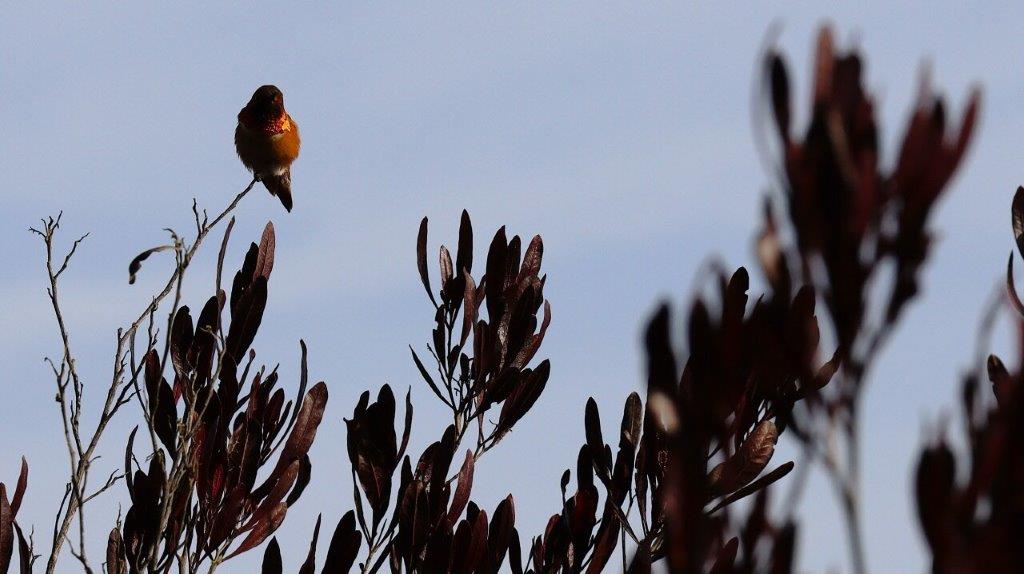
(850, 493)
(81, 453)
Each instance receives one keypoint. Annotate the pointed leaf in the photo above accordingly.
(272, 558)
(344, 546)
(309, 566)
(463, 490)
(421, 260)
(262, 530)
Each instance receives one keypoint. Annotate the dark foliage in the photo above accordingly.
(10, 532)
(211, 478)
(227, 452)
(969, 504)
(849, 214)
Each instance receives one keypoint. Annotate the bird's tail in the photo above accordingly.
(280, 186)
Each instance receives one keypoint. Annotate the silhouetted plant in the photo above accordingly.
(433, 527)
(850, 219)
(201, 491)
(228, 451)
(10, 531)
(703, 441)
(496, 371)
(973, 519)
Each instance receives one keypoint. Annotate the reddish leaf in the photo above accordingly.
(275, 492)
(6, 530)
(605, 541)
(469, 311)
(305, 471)
(19, 489)
(770, 477)
(265, 261)
(262, 530)
(115, 553)
(447, 270)
(499, 535)
(306, 424)
(744, 466)
(532, 258)
(462, 491)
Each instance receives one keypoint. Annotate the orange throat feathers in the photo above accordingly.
(279, 125)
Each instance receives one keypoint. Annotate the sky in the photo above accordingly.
(621, 134)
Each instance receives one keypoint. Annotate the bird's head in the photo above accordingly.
(267, 103)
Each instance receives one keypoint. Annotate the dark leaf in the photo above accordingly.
(344, 546)
(447, 269)
(407, 428)
(246, 318)
(755, 486)
(935, 489)
(306, 424)
(426, 377)
(462, 491)
(499, 535)
(115, 553)
(726, 557)
(1011, 289)
(744, 466)
(25, 557)
(421, 260)
(301, 481)
(181, 340)
(464, 254)
(272, 558)
(136, 264)
(779, 82)
(265, 261)
(309, 566)
(515, 553)
(262, 530)
(469, 312)
(605, 541)
(782, 550)
(19, 489)
(532, 258)
(522, 397)
(595, 440)
(6, 531)
(223, 251)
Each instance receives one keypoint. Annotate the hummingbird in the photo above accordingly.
(267, 142)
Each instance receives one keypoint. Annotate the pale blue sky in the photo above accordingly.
(622, 134)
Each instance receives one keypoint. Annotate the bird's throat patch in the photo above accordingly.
(273, 127)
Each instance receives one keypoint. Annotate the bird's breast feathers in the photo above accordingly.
(268, 147)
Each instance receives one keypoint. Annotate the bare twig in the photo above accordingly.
(123, 383)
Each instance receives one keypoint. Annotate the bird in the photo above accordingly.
(267, 142)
